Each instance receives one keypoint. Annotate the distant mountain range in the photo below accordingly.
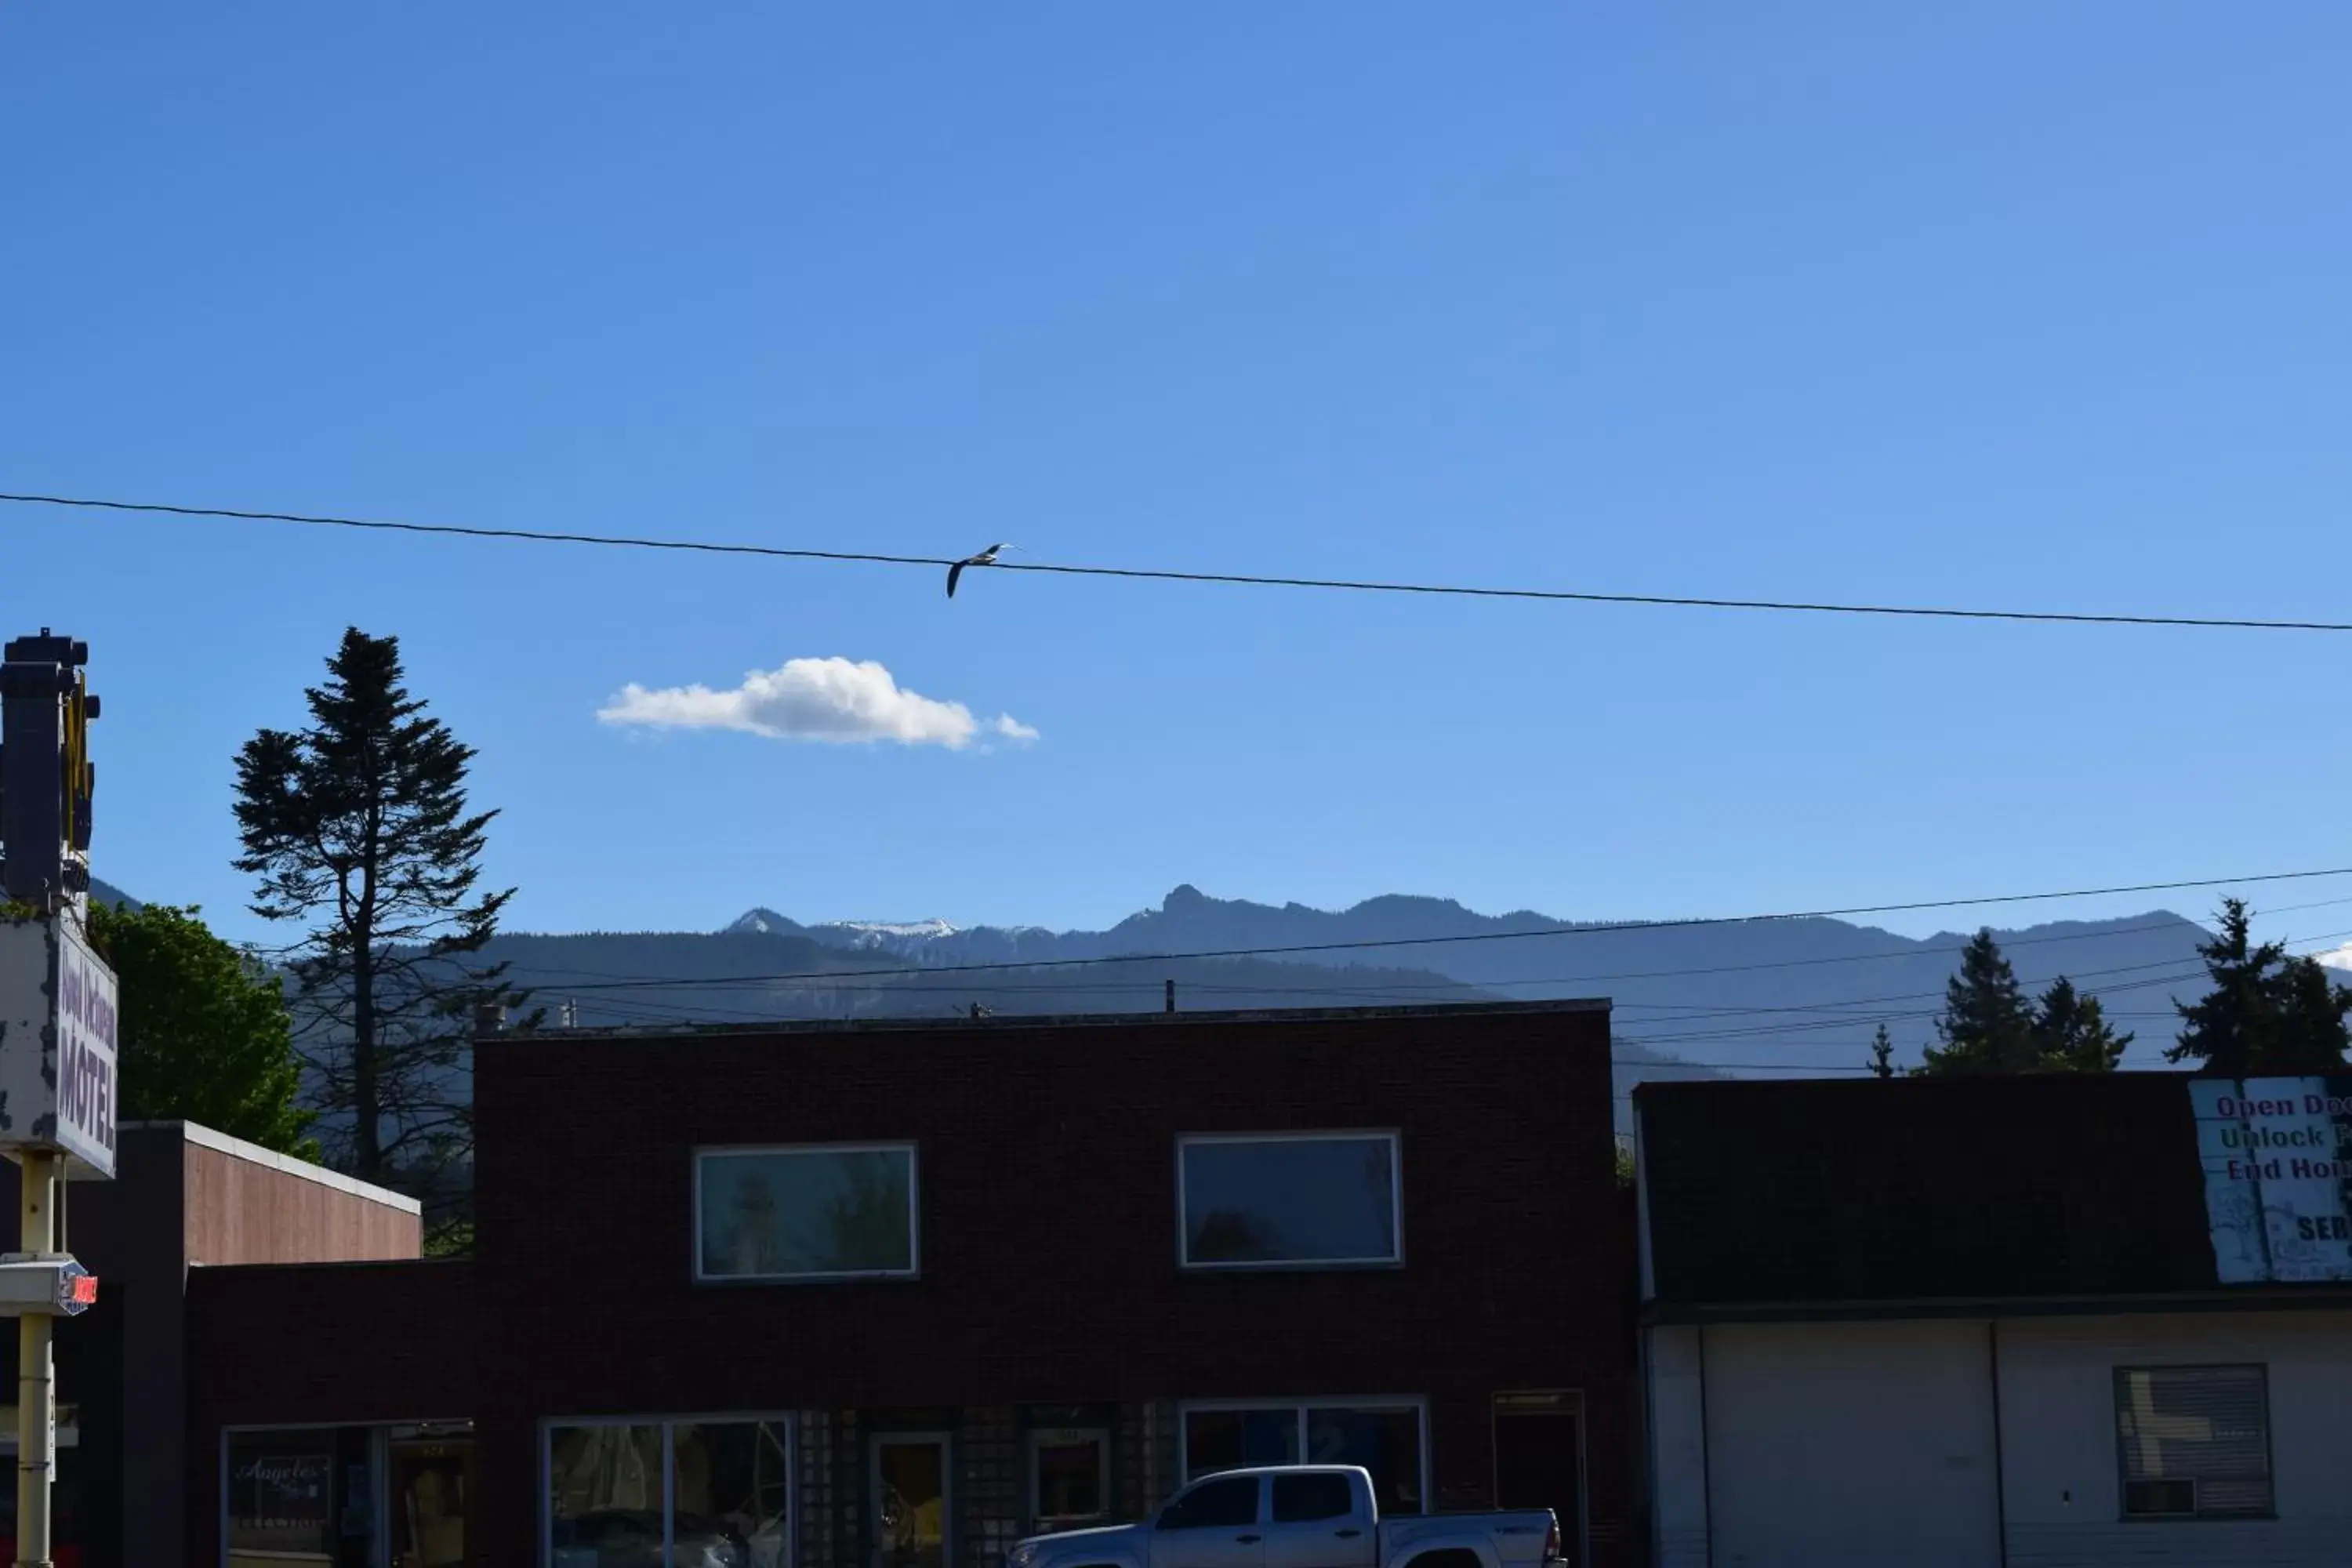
(1696, 1000)
(1756, 996)
(1690, 1000)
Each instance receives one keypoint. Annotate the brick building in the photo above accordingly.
(891, 1295)
(186, 1202)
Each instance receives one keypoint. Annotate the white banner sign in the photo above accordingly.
(58, 1086)
(2277, 1154)
(86, 1054)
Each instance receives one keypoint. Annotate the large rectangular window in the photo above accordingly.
(829, 1213)
(2194, 1441)
(347, 1497)
(713, 1493)
(281, 1493)
(1070, 1477)
(1316, 1199)
(1383, 1435)
(302, 1493)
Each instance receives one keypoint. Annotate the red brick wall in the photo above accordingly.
(300, 1344)
(1047, 1202)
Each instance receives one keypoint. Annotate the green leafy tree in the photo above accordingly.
(1988, 1025)
(2263, 1012)
(1882, 1054)
(2071, 1033)
(358, 827)
(202, 1029)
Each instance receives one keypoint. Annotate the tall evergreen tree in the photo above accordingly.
(1882, 1054)
(2228, 1029)
(358, 826)
(202, 1029)
(2307, 1032)
(2071, 1034)
(1987, 1025)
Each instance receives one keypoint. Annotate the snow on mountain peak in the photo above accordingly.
(909, 929)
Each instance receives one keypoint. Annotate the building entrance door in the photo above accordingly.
(1539, 1460)
(911, 1496)
(431, 1489)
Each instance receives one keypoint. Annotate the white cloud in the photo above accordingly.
(834, 699)
(2336, 957)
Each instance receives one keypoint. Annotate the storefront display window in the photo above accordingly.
(693, 1494)
(302, 1495)
(1382, 1437)
(348, 1497)
(1070, 1477)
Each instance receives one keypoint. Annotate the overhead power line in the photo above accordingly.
(1407, 987)
(1163, 575)
(1340, 980)
(1596, 929)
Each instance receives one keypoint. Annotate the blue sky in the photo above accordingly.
(2021, 305)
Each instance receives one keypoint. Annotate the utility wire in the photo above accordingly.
(1755, 1031)
(1405, 988)
(1358, 585)
(1770, 1020)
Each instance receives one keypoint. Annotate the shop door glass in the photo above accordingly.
(432, 1494)
(910, 1500)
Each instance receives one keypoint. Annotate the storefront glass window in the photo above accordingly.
(605, 1510)
(1384, 1438)
(730, 1492)
(1385, 1442)
(1231, 1439)
(302, 1495)
(1069, 1470)
(690, 1494)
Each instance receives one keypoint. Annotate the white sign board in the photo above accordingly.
(58, 1087)
(2277, 1154)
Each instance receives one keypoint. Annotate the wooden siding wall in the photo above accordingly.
(241, 1211)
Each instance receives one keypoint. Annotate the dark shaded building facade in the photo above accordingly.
(894, 1295)
(184, 1201)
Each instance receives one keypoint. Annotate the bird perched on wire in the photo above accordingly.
(985, 558)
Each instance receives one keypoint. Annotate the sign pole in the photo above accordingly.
(37, 1385)
(57, 1017)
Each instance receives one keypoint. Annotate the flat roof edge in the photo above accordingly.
(1016, 1021)
(220, 1143)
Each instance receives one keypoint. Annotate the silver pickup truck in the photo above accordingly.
(1299, 1515)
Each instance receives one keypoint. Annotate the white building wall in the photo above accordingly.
(2063, 1484)
(1677, 1449)
(1840, 1445)
(1850, 1445)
